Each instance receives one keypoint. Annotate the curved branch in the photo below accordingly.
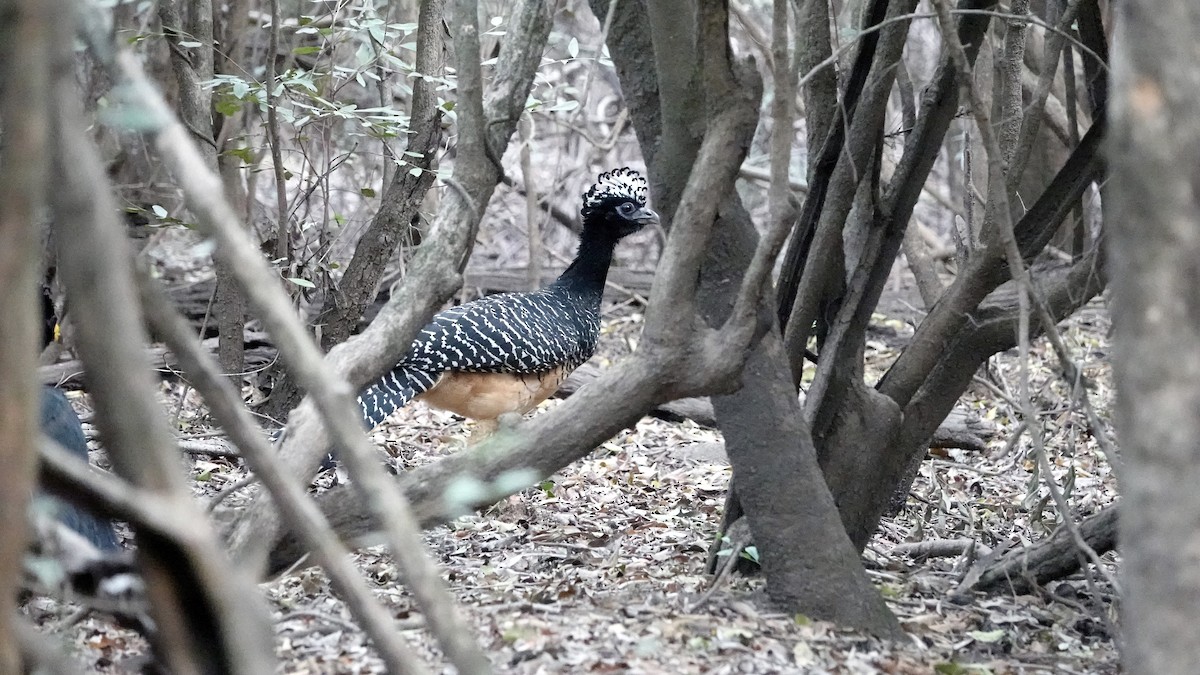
(210, 619)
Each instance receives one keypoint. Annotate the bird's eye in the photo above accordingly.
(625, 209)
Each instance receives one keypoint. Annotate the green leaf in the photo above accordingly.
(243, 153)
(227, 105)
(367, 192)
(303, 283)
(301, 51)
(565, 105)
(750, 553)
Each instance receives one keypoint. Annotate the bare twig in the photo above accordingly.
(301, 514)
(1029, 127)
(999, 211)
(330, 392)
(533, 223)
(940, 548)
(225, 627)
(282, 243)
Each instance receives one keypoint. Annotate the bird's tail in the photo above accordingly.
(391, 392)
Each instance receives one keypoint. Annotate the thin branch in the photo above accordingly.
(1033, 116)
(998, 208)
(295, 506)
(282, 241)
(1008, 86)
(332, 394)
(225, 627)
(780, 210)
(533, 223)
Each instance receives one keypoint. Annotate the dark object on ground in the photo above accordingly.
(59, 422)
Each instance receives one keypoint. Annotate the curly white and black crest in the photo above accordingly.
(622, 183)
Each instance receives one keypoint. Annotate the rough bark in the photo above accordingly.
(801, 576)
(1154, 200)
(820, 94)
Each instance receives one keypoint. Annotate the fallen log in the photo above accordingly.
(1019, 571)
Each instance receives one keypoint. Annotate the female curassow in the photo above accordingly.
(507, 353)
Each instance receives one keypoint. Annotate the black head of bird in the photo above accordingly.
(616, 204)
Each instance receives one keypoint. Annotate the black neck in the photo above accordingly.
(589, 270)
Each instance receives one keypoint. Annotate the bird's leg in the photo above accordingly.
(483, 430)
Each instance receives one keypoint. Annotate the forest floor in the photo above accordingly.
(601, 567)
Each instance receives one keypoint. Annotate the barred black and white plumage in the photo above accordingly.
(508, 352)
(60, 423)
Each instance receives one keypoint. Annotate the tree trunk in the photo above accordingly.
(810, 564)
(1155, 201)
(26, 34)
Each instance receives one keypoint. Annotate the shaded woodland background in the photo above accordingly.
(276, 196)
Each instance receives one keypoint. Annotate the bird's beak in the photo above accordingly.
(645, 216)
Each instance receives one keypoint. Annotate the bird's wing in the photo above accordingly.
(512, 332)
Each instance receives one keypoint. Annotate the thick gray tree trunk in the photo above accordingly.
(1154, 197)
(810, 564)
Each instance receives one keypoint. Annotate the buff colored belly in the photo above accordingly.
(486, 396)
